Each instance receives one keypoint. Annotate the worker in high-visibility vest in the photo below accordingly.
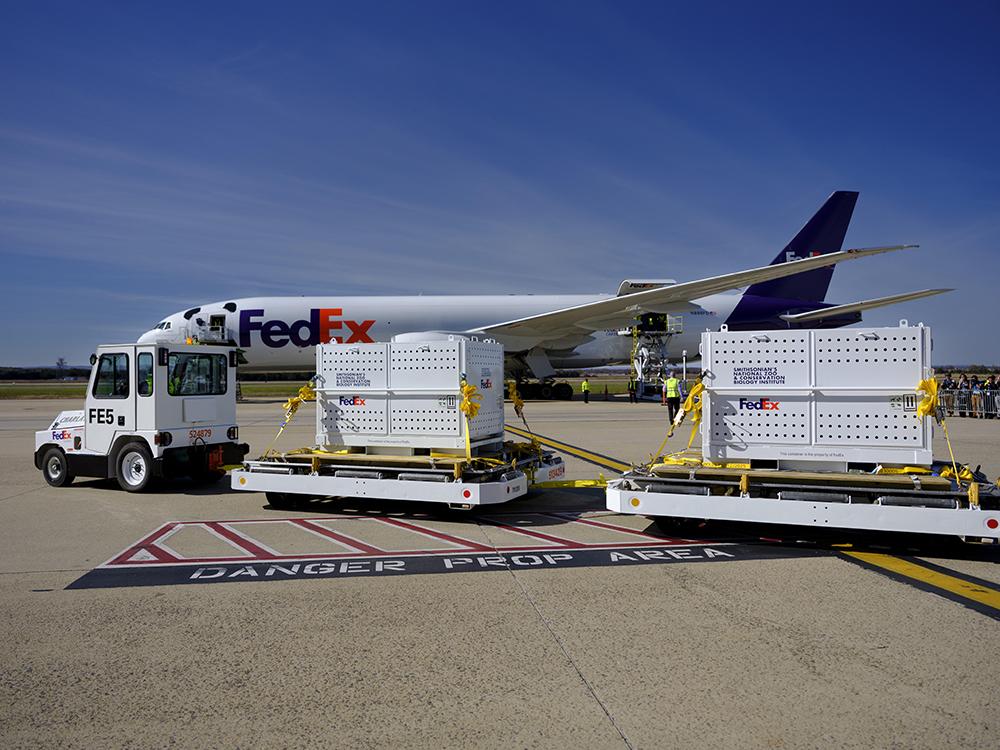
(585, 389)
(631, 390)
(672, 389)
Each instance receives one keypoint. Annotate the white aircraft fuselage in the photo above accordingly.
(280, 333)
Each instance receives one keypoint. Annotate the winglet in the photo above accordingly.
(869, 304)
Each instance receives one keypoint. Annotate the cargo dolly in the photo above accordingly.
(815, 429)
(452, 480)
(917, 503)
(415, 420)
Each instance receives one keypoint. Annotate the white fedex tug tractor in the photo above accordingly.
(151, 411)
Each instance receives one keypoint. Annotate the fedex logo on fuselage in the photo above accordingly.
(323, 326)
(762, 404)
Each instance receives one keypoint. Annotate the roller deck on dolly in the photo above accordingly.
(820, 429)
(409, 420)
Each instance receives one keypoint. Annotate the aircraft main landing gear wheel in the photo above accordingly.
(562, 392)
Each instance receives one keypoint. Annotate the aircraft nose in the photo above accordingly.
(147, 338)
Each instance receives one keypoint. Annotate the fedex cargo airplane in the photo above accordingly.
(542, 333)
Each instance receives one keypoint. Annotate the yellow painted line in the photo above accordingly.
(950, 584)
(608, 463)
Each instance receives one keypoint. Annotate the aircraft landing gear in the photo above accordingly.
(545, 390)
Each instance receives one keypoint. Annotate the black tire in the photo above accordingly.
(281, 500)
(562, 392)
(134, 467)
(675, 525)
(208, 476)
(55, 468)
(545, 392)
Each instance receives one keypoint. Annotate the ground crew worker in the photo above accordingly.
(631, 390)
(672, 392)
(585, 389)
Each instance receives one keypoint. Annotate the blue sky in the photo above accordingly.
(154, 155)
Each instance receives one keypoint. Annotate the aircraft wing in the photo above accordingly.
(570, 326)
(867, 304)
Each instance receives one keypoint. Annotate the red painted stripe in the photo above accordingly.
(600, 524)
(528, 532)
(241, 542)
(148, 544)
(340, 538)
(466, 543)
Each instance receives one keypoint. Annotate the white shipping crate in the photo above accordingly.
(408, 394)
(825, 396)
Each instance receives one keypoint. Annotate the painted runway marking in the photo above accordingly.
(981, 596)
(523, 546)
(424, 564)
(973, 593)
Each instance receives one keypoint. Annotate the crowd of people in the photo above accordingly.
(970, 395)
(963, 395)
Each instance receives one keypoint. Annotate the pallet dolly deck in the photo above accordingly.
(917, 503)
(453, 480)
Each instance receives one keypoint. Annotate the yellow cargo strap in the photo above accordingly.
(928, 407)
(470, 405)
(572, 483)
(306, 393)
(902, 470)
(518, 402)
(964, 474)
(692, 406)
(928, 404)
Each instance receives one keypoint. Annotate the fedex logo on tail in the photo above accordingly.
(790, 255)
(324, 325)
(762, 404)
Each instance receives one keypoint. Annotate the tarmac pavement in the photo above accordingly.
(752, 650)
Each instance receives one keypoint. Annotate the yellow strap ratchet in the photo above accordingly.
(306, 393)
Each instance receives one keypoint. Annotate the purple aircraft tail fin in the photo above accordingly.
(823, 233)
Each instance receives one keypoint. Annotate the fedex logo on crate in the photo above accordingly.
(761, 404)
(352, 401)
(485, 383)
(323, 326)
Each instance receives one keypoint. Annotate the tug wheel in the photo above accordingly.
(134, 467)
(55, 468)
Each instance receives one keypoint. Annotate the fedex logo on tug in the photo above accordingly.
(762, 404)
(324, 325)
